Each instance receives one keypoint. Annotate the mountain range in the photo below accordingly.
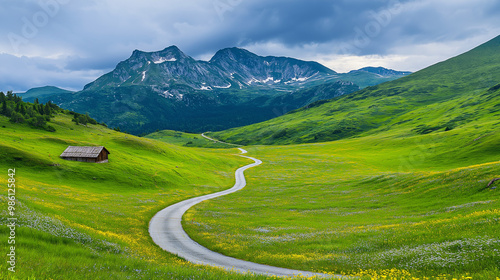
(454, 95)
(400, 179)
(170, 90)
(172, 69)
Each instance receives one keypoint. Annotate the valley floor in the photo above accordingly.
(78, 220)
(378, 206)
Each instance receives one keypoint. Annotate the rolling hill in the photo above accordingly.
(462, 91)
(78, 220)
(403, 193)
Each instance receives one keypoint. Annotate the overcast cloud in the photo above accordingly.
(68, 43)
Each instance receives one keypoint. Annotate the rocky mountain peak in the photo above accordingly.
(169, 54)
(229, 67)
(233, 54)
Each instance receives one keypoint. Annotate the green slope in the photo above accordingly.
(141, 110)
(447, 95)
(378, 206)
(401, 194)
(89, 221)
(186, 139)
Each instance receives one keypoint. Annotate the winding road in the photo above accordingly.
(215, 140)
(166, 231)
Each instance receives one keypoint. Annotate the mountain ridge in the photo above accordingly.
(228, 67)
(44, 93)
(384, 72)
(252, 67)
(448, 95)
(169, 89)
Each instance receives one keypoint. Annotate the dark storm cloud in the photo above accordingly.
(71, 42)
(294, 23)
(369, 27)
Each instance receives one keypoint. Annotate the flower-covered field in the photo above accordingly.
(377, 207)
(80, 220)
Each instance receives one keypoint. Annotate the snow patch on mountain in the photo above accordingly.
(303, 79)
(163, 59)
(172, 95)
(228, 86)
(265, 81)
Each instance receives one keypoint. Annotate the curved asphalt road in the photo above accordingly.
(215, 140)
(166, 230)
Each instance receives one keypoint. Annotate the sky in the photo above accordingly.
(69, 43)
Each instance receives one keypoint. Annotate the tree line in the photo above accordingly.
(36, 114)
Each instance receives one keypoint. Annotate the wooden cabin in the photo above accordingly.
(86, 154)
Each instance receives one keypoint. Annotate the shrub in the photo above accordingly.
(17, 118)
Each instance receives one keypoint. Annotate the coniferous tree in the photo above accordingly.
(46, 109)
(51, 106)
(4, 107)
(30, 112)
(39, 108)
(75, 119)
(22, 109)
(36, 115)
(17, 99)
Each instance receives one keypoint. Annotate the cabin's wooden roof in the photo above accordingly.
(83, 152)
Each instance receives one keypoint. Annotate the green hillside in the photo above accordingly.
(462, 90)
(402, 192)
(376, 206)
(89, 221)
(140, 110)
(186, 139)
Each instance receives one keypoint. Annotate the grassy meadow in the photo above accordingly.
(382, 206)
(90, 221)
(400, 193)
(377, 207)
(186, 139)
